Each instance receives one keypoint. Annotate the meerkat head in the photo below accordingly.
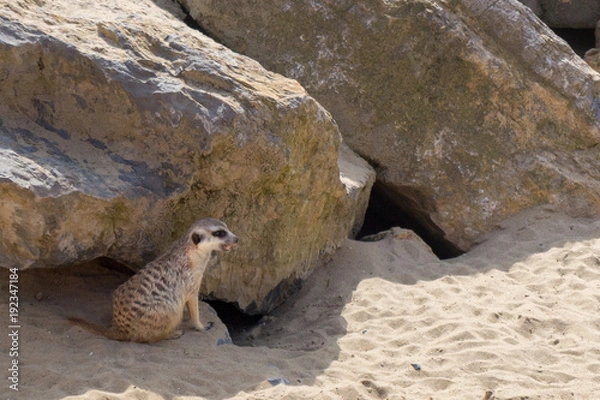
(211, 234)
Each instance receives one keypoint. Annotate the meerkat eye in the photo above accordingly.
(220, 233)
(197, 238)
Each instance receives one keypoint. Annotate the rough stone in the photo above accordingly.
(119, 126)
(592, 57)
(358, 177)
(535, 6)
(469, 110)
(579, 14)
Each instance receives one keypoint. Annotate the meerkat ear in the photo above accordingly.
(197, 238)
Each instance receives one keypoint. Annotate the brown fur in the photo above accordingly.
(149, 306)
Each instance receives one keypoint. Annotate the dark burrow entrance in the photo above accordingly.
(237, 322)
(387, 210)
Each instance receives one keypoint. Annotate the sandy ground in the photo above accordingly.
(518, 317)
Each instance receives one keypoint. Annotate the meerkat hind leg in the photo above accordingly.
(194, 311)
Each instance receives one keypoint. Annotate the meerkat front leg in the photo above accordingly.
(192, 306)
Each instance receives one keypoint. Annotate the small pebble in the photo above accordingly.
(278, 381)
(224, 340)
(417, 367)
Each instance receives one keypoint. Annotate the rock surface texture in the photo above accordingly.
(119, 126)
(470, 110)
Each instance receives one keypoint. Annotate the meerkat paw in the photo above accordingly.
(205, 327)
(177, 334)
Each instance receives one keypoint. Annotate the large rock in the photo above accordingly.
(119, 126)
(470, 110)
(577, 14)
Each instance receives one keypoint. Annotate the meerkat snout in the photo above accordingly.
(214, 234)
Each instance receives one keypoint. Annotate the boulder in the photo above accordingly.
(119, 126)
(580, 14)
(469, 110)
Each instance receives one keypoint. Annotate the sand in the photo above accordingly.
(517, 317)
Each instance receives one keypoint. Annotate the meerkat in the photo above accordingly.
(149, 306)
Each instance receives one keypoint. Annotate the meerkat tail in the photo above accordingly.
(96, 329)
